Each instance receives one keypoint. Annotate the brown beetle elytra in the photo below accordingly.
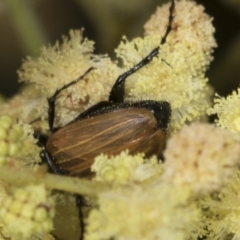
(107, 127)
(132, 128)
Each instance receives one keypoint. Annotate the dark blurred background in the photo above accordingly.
(26, 25)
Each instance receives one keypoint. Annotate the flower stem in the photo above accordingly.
(21, 177)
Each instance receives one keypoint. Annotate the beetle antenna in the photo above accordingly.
(166, 63)
(170, 20)
(51, 100)
(118, 90)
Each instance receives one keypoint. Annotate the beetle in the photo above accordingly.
(107, 127)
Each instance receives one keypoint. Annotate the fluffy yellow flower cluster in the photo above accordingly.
(220, 212)
(11, 136)
(228, 111)
(199, 156)
(125, 168)
(16, 141)
(27, 211)
(61, 64)
(140, 212)
(178, 75)
(135, 197)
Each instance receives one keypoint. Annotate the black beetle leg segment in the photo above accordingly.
(51, 100)
(170, 20)
(52, 166)
(44, 155)
(80, 204)
(118, 90)
(42, 139)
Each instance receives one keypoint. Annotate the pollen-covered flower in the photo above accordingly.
(201, 156)
(136, 212)
(177, 75)
(23, 106)
(124, 168)
(228, 111)
(63, 63)
(28, 211)
(220, 212)
(17, 141)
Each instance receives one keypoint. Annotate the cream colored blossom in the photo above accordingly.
(25, 107)
(27, 211)
(136, 212)
(124, 168)
(3, 193)
(188, 52)
(191, 26)
(228, 111)
(61, 64)
(220, 212)
(17, 142)
(202, 156)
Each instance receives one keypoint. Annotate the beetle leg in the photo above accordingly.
(51, 100)
(80, 203)
(52, 166)
(118, 90)
(42, 140)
